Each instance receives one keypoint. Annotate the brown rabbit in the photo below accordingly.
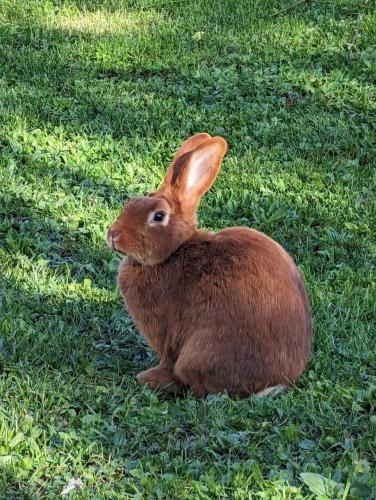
(225, 311)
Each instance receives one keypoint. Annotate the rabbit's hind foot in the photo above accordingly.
(160, 378)
(272, 391)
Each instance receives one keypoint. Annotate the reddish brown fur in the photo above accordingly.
(225, 311)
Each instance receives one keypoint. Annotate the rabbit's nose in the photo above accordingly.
(111, 237)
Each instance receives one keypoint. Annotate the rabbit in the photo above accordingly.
(226, 311)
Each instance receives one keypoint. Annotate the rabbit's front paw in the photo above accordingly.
(160, 378)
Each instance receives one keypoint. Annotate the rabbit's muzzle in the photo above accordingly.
(111, 238)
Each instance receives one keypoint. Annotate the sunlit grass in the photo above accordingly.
(102, 22)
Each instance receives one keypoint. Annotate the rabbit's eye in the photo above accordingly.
(158, 216)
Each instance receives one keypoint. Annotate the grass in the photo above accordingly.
(94, 99)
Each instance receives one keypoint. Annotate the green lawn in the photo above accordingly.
(95, 96)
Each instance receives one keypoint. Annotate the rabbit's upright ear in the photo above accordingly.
(191, 144)
(194, 172)
(187, 146)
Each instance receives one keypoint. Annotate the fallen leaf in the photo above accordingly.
(73, 484)
(198, 36)
(289, 99)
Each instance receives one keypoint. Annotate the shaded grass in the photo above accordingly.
(94, 99)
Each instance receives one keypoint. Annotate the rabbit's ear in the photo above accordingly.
(194, 172)
(187, 146)
(191, 144)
